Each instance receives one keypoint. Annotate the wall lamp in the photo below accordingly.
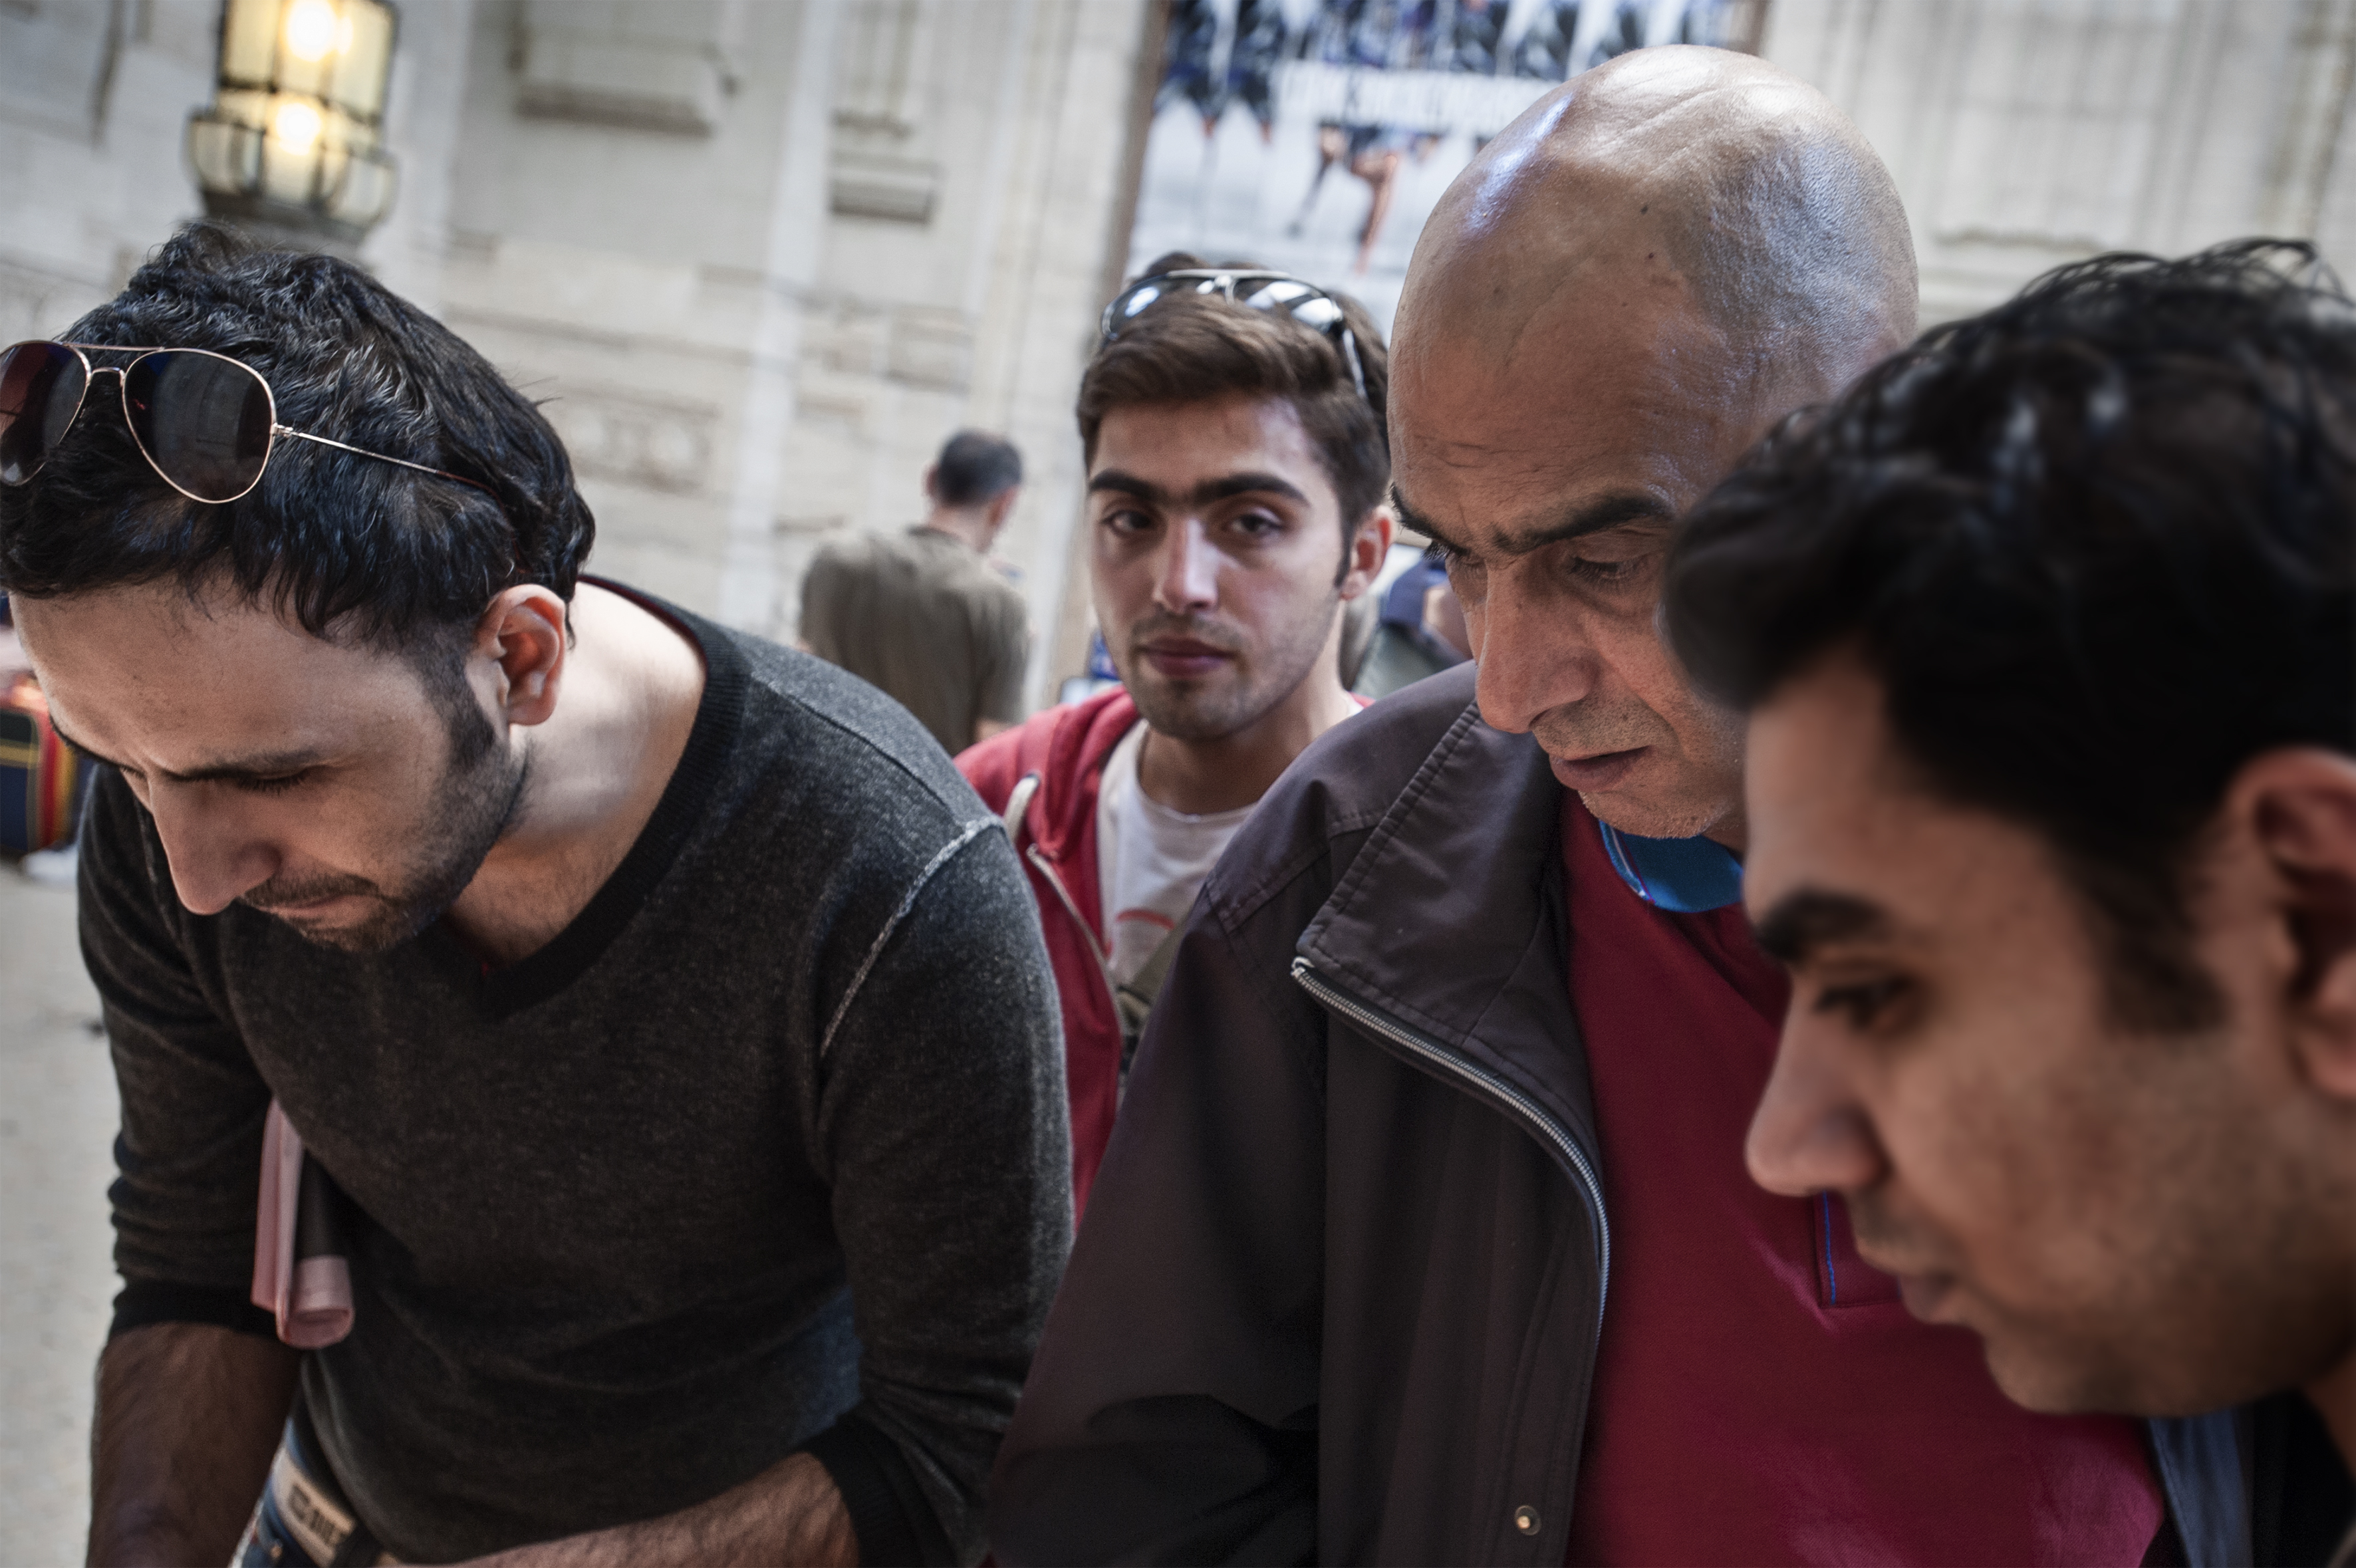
(292, 140)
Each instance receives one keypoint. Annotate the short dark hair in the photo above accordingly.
(344, 545)
(1190, 347)
(974, 467)
(2098, 545)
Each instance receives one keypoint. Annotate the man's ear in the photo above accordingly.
(1003, 506)
(523, 637)
(1369, 547)
(2300, 805)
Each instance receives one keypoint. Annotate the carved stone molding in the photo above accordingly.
(931, 347)
(882, 167)
(652, 65)
(654, 444)
(878, 185)
(923, 346)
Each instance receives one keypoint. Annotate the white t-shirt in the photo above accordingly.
(1151, 860)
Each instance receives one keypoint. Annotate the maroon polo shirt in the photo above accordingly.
(1760, 1395)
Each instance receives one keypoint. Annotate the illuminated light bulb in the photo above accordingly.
(314, 30)
(295, 126)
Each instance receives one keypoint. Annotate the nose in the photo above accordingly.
(1187, 579)
(1532, 656)
(1810, 1133)
(213, 854)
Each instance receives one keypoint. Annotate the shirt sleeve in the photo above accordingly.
(944, 1133)
(189, 1154)
(1002, 650)
(821, 587)
(1172, 1411)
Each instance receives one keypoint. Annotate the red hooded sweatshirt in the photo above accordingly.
(1066, 749)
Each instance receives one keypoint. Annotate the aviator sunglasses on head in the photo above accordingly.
(205, 423)
(1279, 293)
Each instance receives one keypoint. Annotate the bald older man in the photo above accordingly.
(1467, 1027)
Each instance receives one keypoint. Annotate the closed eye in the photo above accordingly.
(278, 785)
(1868, 1003)
(1608, 572)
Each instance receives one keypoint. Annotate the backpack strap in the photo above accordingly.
(1135, 998)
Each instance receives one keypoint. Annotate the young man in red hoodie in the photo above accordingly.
(1234, 427)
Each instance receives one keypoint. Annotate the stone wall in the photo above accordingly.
(93, 96)
(2024, 134)
(762, 258)
(759, 257)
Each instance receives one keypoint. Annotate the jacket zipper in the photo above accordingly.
(1497, 1089)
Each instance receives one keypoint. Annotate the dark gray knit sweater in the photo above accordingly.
(766, 1150)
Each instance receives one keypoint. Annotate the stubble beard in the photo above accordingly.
(1216, 708)
(480, 794)
(1687, 797)
(2162, 1319)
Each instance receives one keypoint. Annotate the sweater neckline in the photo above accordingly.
(710, 742)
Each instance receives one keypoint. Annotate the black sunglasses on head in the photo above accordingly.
(206, 423)
(1278, 293)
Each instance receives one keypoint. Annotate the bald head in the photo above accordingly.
(1622, 292)
(1711, 177)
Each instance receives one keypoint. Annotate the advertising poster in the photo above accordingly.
(1316, 136)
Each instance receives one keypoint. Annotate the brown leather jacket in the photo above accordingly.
(1321, 1309)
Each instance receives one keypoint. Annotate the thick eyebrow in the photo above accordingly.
(267, 764)
(1414, 519)
(1209, 491)
(1812, 917)
(83, 750)
(1594, 517)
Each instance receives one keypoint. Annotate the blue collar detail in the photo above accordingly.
(1687, 876)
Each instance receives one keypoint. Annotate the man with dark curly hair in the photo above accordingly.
(595, 1042)
(2047, 631)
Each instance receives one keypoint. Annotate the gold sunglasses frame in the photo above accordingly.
(121, 374)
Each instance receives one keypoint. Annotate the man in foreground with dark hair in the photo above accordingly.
(1425, 1235)
(921, 614)
(1233, 426)
(653, 1010)
(2048, 634)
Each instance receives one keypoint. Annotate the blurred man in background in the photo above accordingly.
(1233, 426)
(2048, 634)
(1418, 631)
(923, 614)
(1465, 1030)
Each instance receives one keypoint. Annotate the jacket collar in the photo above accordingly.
(1071, 773)
(1450, 917)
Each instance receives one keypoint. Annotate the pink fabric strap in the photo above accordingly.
(311, 1298)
